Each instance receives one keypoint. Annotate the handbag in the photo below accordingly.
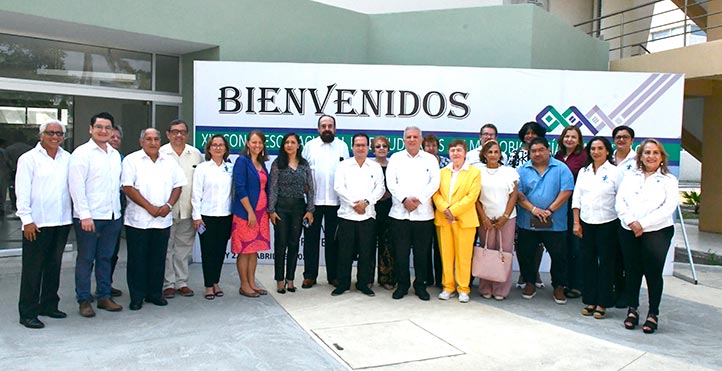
(491, 265)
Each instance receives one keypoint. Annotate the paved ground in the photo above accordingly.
(311, 330)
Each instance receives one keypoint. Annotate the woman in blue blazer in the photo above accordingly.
(250, 231)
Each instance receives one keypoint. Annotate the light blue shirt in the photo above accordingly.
(542, 190)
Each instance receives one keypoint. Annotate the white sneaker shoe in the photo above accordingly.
(446, 295)
(463, 297)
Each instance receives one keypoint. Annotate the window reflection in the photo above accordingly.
(39, 59)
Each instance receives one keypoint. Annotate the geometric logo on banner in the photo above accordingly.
(625, 113)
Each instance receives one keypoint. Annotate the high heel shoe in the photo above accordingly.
(632, 319)
(291, 288)
(588, 310)
(281, 287)
(650, 325)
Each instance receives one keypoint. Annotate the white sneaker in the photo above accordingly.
(446, 295)
(499, 297)
(486, 296)
(463, 297)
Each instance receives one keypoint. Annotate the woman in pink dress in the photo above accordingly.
(250, 230)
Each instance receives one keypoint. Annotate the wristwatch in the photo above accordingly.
(169, 206)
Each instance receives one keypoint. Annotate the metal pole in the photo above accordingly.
(686, 244)
(684, 34)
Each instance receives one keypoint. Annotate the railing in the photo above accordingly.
(609, 28)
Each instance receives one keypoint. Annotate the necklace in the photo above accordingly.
(492, 171)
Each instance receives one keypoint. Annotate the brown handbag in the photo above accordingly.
(491, 265)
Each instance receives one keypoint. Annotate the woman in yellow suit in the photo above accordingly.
(456, 221)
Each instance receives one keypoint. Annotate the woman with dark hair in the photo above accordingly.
(571, 153)
(250, 230)
(211, 200)
(528, 132)
(595, 222)
(380, 146)
(290, 201)
(645, 203)
(431, 145)
(497, 212)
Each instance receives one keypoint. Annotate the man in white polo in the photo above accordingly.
(359, 183)
(152, 182)
(182, 233)
(412, 177)
(94, 183)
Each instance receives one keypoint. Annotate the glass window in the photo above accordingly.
(167, 73)
(40, 59)
(661, 34)
(163, 116)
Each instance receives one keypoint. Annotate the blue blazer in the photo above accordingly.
(246, 183)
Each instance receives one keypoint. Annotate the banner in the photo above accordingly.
(232, 98)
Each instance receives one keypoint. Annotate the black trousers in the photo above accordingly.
(554, 242)
(40, 277)
(146, 261)
(385, 247)
(356, 237)
(286, 237)
(311, 241)
(575, 260)
(644, 256)
(213, 247)
(599, 252)
(411, 236)
(433, 260)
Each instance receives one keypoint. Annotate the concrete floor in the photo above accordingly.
(311, 330)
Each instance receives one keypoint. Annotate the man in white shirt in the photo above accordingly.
(152, 182)
(359, 183)
(412, 178)
(486, 133)
(182, 233)
(625, 157)
(44, 208)
(94, 184)
(323, 155)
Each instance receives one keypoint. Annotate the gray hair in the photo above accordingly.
(421, 134)
(142, 132)
(119, 128)
(45, 124)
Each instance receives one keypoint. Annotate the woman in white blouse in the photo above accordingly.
(211, 200)
(646, 201)
(496, 211)
(595, 222)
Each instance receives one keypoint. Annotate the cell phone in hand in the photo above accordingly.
(201, 229)
(306, 224)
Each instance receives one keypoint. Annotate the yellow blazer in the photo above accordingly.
(463, 198)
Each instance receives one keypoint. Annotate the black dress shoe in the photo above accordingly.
(31, 323)
(365, 290)
(157, 301)
(53, 313)
(308, 283)
(399, 293)
(423, 294)
(115, 292)
(135, 305)
(338, 291)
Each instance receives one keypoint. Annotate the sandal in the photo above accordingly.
(261, 292)
(632, 319)
(588, 310)
(290, 287)
(219, 293)
(650, 325)
(252, 294)
(210, 296)
(600, 313)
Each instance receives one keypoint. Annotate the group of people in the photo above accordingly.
(375, 211)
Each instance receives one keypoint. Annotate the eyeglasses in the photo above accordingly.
(622, 137)
(102, 127)
(218, 145)
(379, 146)
(176, 132)
(488, 135)
(54, 133)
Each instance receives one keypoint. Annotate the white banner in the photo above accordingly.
(232, 98)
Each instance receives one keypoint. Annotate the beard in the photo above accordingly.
(327, 136)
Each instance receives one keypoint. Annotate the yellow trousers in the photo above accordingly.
(456, 247)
